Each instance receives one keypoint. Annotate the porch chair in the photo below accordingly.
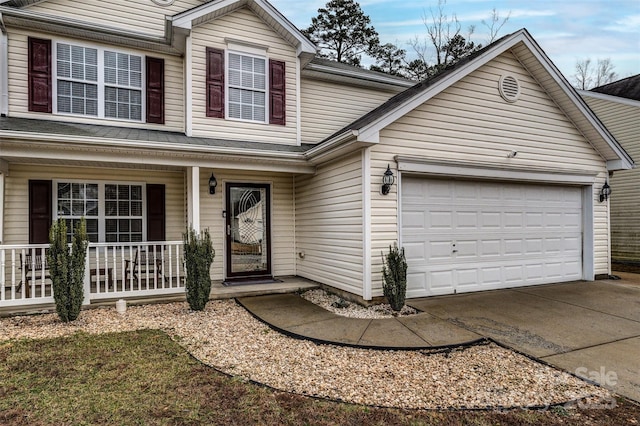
(28, 264)
(143, 262)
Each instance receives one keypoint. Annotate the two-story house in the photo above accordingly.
(148, 116)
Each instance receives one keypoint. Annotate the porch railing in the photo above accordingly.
(112, 271)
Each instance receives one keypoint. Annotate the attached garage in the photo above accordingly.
(470, 235)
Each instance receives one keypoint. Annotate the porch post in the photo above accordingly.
(87, 280)
(193, 197)
(4, 171)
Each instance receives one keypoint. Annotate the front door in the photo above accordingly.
(248, 216)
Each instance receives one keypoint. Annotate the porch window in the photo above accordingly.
(113, 211)
(123, 211)
(77, 200)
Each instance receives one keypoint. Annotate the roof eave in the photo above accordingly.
(72, 27)
(305, 49)
(68, 141)
(350, 76)
(508, 43)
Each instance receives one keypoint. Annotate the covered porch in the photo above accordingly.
(139, 191)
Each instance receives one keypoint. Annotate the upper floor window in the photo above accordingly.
(98, 82)
(247, 87)
(89, 81)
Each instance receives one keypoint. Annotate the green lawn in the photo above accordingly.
(144, 377)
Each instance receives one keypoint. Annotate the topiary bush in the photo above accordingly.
(394, 277)
(198, 256)
(66, 268)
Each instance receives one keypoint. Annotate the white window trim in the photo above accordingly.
(244, 51)
(101, 204)
(100, 83)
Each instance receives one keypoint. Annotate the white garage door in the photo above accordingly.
(464, 236)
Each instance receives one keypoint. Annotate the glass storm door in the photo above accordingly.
(248, 218)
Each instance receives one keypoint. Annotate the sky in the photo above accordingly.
(567, 31)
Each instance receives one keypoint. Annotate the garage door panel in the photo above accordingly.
(415, 252)
(484, 235)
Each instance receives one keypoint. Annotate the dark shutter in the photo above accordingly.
(155, 90)
(39, 84)
(155, 212)
(215, 83)
(40, 211)
(277, 105)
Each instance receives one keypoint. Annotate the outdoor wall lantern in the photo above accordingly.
(212, 184)
(387, 181)
(605, 192)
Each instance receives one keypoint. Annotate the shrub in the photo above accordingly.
(198, 255)
(66, 267)
(394, 277)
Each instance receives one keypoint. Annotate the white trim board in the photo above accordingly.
(439, 168)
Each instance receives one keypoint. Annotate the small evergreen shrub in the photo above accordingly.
(66, 267)
(394, 277)
(198, 255)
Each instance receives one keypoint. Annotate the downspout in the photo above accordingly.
(366, 225)
(4, 172)
(4, 69)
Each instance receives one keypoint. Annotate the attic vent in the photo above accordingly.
(509, 88)
(163, 2)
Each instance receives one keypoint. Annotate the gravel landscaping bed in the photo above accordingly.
(339, 306)
(228, 338)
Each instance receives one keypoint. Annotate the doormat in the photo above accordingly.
(250, 281)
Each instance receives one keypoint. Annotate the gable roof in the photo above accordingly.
(366, 130)
(262, 8)
(628, 88)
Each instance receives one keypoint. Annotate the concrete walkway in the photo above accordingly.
(591, 329)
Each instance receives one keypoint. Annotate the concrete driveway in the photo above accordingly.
(591, 329)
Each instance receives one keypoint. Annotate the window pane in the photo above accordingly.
(64, 208)
(136, 192)
(92, 208)
(123, 208)
(136, 225)
(92, 225)
(64, 190)
(136, 208)
(111, 208)
(92, 191)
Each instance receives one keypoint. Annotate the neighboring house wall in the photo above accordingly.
(242, 25)
(18, 84)
(140, 16)
(16, 203)
(282, 216)
(470, 122)
(328, 220)
(327, 107)
(622, 118)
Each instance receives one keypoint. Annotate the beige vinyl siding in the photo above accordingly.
(18, 85)
(471, 123)
(623, 121)
(140, 16)
(327, 107)
(329, 224)
(282, 217)
(16, 203)
(242, 25)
